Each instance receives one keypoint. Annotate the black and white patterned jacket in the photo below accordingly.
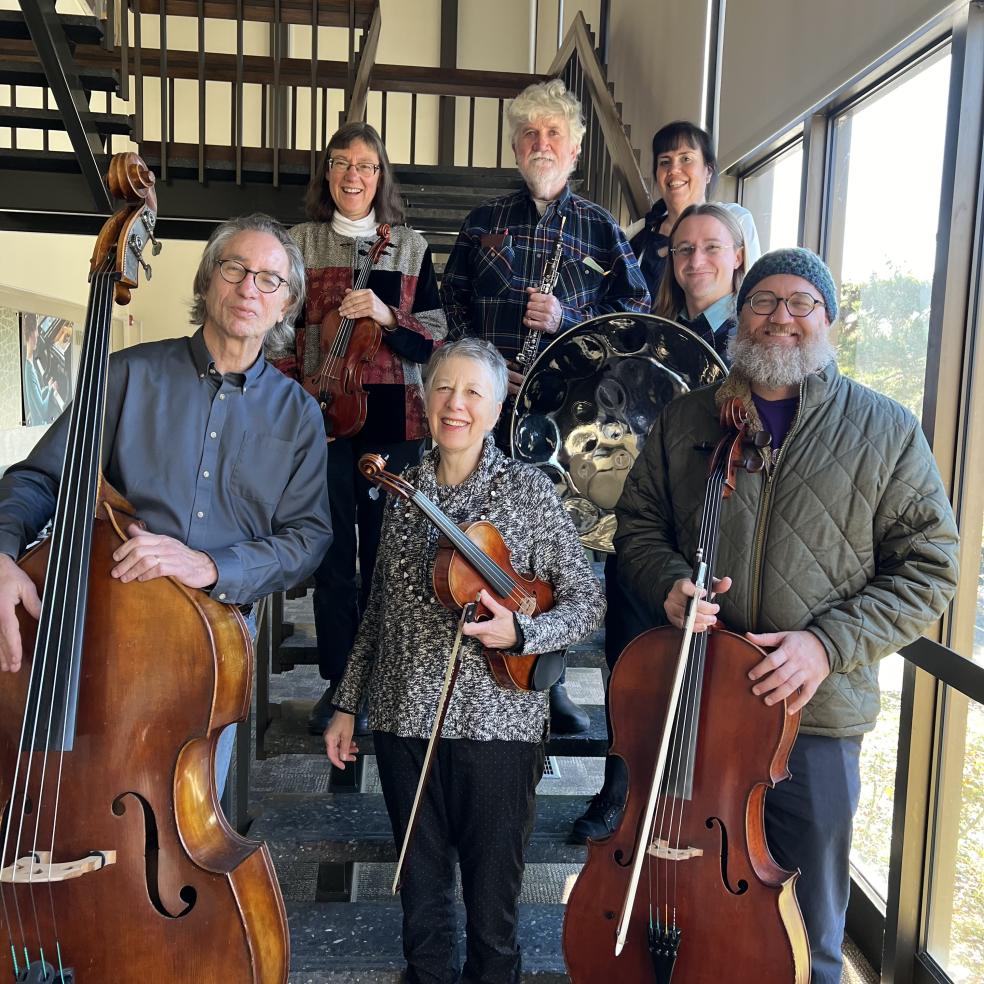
(398, 660)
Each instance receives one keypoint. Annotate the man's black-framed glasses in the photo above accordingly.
(799, 304)
(363, 168)
(233, 272)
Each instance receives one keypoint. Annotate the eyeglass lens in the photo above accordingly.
(234, 273)
(362, 167)
(799, 305)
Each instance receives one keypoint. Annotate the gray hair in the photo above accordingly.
(546, 99)
(282, 333)
(480, 351)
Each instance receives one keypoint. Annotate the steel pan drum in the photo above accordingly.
(589, 400)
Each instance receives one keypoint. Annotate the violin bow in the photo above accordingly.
(646, 831)
(450, 676)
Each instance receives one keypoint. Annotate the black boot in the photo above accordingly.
(566, 718)
(599, 820)
(604, 812)
(321, 712)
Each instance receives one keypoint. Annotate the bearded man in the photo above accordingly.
(490, 286)
(841, 551)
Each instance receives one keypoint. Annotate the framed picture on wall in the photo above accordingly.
(46, 366)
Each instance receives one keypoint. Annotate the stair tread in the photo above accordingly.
(79, 28)
(359, 936)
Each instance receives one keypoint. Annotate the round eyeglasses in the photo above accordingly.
(799, 305)
(708, 249)
(363, 168)
(233, 272)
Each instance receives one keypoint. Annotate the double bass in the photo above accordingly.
(117, 863)
(347, 347)
(686, 889)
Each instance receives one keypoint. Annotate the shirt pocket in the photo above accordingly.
(493, 271)
(577, 283)
(262, 468)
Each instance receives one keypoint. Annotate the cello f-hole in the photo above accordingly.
(742, 884)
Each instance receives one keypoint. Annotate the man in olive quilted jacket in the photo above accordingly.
(841, 551)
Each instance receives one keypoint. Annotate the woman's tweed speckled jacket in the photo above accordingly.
(397, 663)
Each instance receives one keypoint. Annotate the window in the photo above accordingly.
(881, 247)
(772, 194)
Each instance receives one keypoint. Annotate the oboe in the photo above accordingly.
(548, 281)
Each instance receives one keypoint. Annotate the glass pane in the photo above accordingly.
(956, 925)
(772, 195)
(881, 247)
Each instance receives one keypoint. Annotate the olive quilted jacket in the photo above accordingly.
(849, 535)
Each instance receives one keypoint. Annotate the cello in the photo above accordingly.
(117, 863)
(686, 889)
(347, 347)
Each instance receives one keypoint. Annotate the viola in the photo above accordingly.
(686, 887)
(117, 862)
(347, 347)
(471, 558)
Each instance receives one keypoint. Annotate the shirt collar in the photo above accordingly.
(204, 363)
(718, 313)
(558, 204)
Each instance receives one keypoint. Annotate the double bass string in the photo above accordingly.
(91, 442)
(54, 605)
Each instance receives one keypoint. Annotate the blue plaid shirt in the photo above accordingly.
(504, 247)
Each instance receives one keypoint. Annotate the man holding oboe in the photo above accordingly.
(496, 283)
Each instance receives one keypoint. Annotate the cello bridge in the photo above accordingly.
(660, 848)
(38, 867)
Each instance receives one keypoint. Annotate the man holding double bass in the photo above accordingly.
(491, 284)
(841, 551)
(220, 455)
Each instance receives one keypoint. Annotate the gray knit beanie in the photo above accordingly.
(800, 263)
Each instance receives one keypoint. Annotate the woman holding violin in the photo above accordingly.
(377, 287)
(479, 798)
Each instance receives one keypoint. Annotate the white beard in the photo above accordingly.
(777, 366)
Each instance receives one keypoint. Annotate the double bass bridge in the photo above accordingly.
(660, 848)
(36, 868)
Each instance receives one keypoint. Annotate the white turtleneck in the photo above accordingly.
(354, 228)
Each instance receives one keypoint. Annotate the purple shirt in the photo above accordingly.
(777, 417)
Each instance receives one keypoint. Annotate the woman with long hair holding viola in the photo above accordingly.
(479, 798)
(359, 282)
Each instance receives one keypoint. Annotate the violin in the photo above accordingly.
(347, 347)
(472, 558)
(117, 862)
(686, 887)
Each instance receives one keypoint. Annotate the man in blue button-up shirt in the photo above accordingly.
(222, 456)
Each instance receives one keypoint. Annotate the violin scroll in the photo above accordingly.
(372, 467)
(119, 247)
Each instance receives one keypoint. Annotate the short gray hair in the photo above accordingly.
(282, 333)
(546, 99)
(480, 351)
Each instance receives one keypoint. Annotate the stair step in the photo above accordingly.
(14, 72)
(331, 13)
(346, 941)
(355, 827)
(50, 119)
(287, 733)
(78, 29)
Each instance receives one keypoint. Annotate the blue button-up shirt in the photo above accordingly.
(233, 465)
(503, 248)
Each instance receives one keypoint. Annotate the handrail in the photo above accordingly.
(367, 62)
(626, 167)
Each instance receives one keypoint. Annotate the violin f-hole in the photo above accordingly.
(188, 894)
(742, 884)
